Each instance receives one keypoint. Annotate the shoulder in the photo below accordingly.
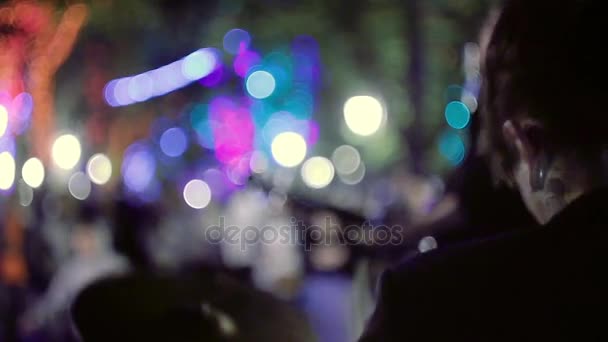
(457, 258)
(430, 287)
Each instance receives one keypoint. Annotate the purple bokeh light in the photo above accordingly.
(138, 168)
(234, 131)
(221, 186)
(20, 113)
(138, 88)
(214, 78)
(244, 61)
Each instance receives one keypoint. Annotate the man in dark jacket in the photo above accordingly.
(544, 81)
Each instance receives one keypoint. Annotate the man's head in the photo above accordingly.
(544, 81)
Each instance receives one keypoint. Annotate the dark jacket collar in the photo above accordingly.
(585, 214)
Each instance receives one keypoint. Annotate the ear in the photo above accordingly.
(515, 137)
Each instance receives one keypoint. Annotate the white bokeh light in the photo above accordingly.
(317, 172)
(25, 193)
(288, 149)
(260, 84)
(198, 64)
(32, 172)
(66, 151)
(470, 101)
(363, 115)
(79, 186)
(427, 243)
(7, 170)
(197, 194)
(346, 159)
(258, 163)
(99, 169)
(355, 177)
(3, 120)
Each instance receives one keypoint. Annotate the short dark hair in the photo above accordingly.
(546, 61)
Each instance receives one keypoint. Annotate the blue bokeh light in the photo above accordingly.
(236, 40)
(457, 114)
(173, 142)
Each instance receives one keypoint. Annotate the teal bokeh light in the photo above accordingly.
(451, 147)
(199, 118)
(457, 115)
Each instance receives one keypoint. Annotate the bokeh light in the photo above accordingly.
(7, 144)
(7, 170)
(79, 186)
(233, 129)
(215, 77)
(66, 151)
(239, 170)
(305, 51)
(453, 92)
(133, 89)
(221, 187)
(258, 163)
(33, 172)
(120, 92)
(426, 244)
(244, 61)
(3, 120)
(260, 84)
(452, 147)
(313, 132)
(470, 101)
(279, 65)
(317, 172)
(363, 115)
(140, 87)
(346, 159)
(236, 40)
(108, 93)
(457, 114)
(22, 105)
(197, 194)
(138, 168)
(288, 149)
(99, 169)
(173, 142)
(202, 125)
(300, 102)
(199, 64)
(355, 177)
(283, 121)
(25, 193)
